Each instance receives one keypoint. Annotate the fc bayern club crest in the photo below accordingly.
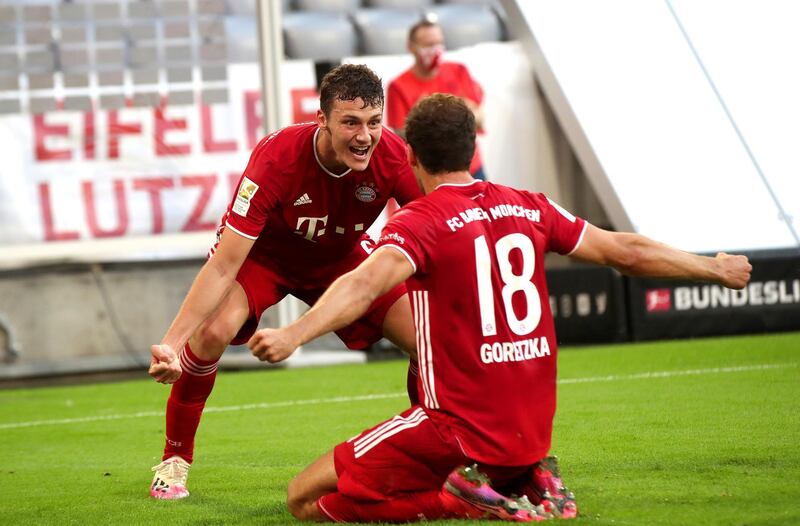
(366, 192)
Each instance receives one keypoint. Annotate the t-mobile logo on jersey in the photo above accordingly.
(658, 300)
(312, 226)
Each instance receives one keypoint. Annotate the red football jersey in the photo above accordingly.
(485, 335)
(305, 219)
(405, 90)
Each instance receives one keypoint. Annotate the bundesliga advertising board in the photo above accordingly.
(676, 309)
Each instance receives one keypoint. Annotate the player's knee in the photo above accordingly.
(399, 328)
(214, 338)
(297, 509)
(299, 505)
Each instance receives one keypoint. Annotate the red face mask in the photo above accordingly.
(431, 56)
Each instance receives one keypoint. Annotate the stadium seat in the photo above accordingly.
(339, 6)
(466, 25)
(242, 41)
(496, 6)
(384, 31)
(248, 7)
(243, 7)
(470, 2)
(399, 4)
(318, 36)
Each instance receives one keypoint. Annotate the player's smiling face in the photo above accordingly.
(354, 131)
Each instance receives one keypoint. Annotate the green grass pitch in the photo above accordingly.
(681, 432)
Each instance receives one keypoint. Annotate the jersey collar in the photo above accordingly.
(316, 156)
(458, 185)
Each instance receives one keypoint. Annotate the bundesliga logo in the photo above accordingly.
(658, 300)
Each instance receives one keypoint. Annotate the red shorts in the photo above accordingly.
(265, 287)
(407, 453)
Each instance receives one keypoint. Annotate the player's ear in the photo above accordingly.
(322, 120)
(411, 156)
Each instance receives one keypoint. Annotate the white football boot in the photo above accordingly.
(169, 482)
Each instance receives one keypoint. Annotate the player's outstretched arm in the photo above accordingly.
(212, 284)
(346, 300)
(638, 255)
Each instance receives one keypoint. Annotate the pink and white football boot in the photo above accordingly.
(467, 494)
(169, 482)
(546, 489)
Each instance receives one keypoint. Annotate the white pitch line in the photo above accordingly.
(381, 396)
(220, 409)
(669, 374)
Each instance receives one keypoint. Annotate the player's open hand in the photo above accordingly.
(271, 345)
(734, 270)
(165, 367)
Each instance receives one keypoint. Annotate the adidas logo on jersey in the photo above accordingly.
(303, 200)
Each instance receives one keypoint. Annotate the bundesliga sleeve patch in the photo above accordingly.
(247, 190)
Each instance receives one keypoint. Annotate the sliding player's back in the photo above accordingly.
(486, 340)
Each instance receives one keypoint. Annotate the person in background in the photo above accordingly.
(430, 74)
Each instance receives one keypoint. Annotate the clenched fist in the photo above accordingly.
(734, 270)
(271, 345)
(165, 366)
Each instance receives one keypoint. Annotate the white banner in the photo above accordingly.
(131, 180)
(69, 176)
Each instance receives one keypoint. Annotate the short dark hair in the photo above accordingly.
(441, 130)
(350, 82)
(425, 22)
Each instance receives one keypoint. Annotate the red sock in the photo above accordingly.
(414, 507)
(186, 403)
(411, 382)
